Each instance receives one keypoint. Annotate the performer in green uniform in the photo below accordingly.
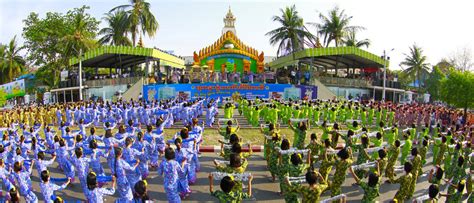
(406, 147)
(442, 149)
(315, 147)
(405, 182)
(313, 191)
(342, 164)
(362, 157)
(227, 194)
(300, 133)
(273, 155)
(416, 163)
(436, 175)
(393, 153)
(326, 160)
(295, 169)
(371, 188)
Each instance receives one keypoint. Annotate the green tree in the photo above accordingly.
(403, 78)
(456, 89)
(46, 42)
(84, 30)
(351, 40)
(12, 64)
(291, 34)
(335, 26)
(116, 31)
(3, 49)
(140, 18)
(416, 65)
(433, 83)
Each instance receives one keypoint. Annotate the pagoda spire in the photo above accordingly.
(229, 22)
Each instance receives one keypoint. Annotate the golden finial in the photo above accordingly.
(261, 57)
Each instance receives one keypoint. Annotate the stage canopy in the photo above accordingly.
(124, 57)
(329, 57)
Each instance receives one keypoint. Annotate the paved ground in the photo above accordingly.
(264, 190)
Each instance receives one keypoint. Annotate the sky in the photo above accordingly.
(439, 27)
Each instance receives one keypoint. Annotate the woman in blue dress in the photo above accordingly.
(120, 170)
(171, 170)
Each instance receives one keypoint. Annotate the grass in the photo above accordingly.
(211, 136)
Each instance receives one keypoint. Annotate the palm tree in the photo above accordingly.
(12, 64)
(350, 40)
(140, 18)
(116, 32)
(81, 38)
(292, 34)
(334, 26)
(416, 64)
(3, 50)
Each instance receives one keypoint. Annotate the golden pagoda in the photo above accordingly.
(229, 53)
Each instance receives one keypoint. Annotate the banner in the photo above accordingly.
(12, 89)
(214, 90)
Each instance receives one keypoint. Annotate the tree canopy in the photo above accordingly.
(351, 40)
(335, 26)
(433, 83)
(416, 65)
(12, 64)
(456, 89)
(291, 34)
(140, 18)
(116, 31)
(49, 43)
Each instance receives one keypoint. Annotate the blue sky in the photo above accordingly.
(439, 27)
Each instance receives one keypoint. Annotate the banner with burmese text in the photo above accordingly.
(215, 90)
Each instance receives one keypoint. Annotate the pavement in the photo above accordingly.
(263, 189)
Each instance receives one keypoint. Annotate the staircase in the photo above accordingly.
(323, 92)
(134, 91)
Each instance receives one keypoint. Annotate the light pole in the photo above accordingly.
(384, 57)
(80, 74)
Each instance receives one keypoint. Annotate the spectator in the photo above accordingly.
(298, 77)
(250, 77)
(307, 76)
(293, 76)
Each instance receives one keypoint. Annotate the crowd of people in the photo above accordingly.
(30, 135)
(202, 76)
(371, 141)
(366, 140)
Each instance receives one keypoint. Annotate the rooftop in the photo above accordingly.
(328, 57)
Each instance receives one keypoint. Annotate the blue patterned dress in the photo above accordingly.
(171, 171)
(120, 170)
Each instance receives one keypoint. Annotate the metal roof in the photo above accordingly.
(124, 57)
(344, 57)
